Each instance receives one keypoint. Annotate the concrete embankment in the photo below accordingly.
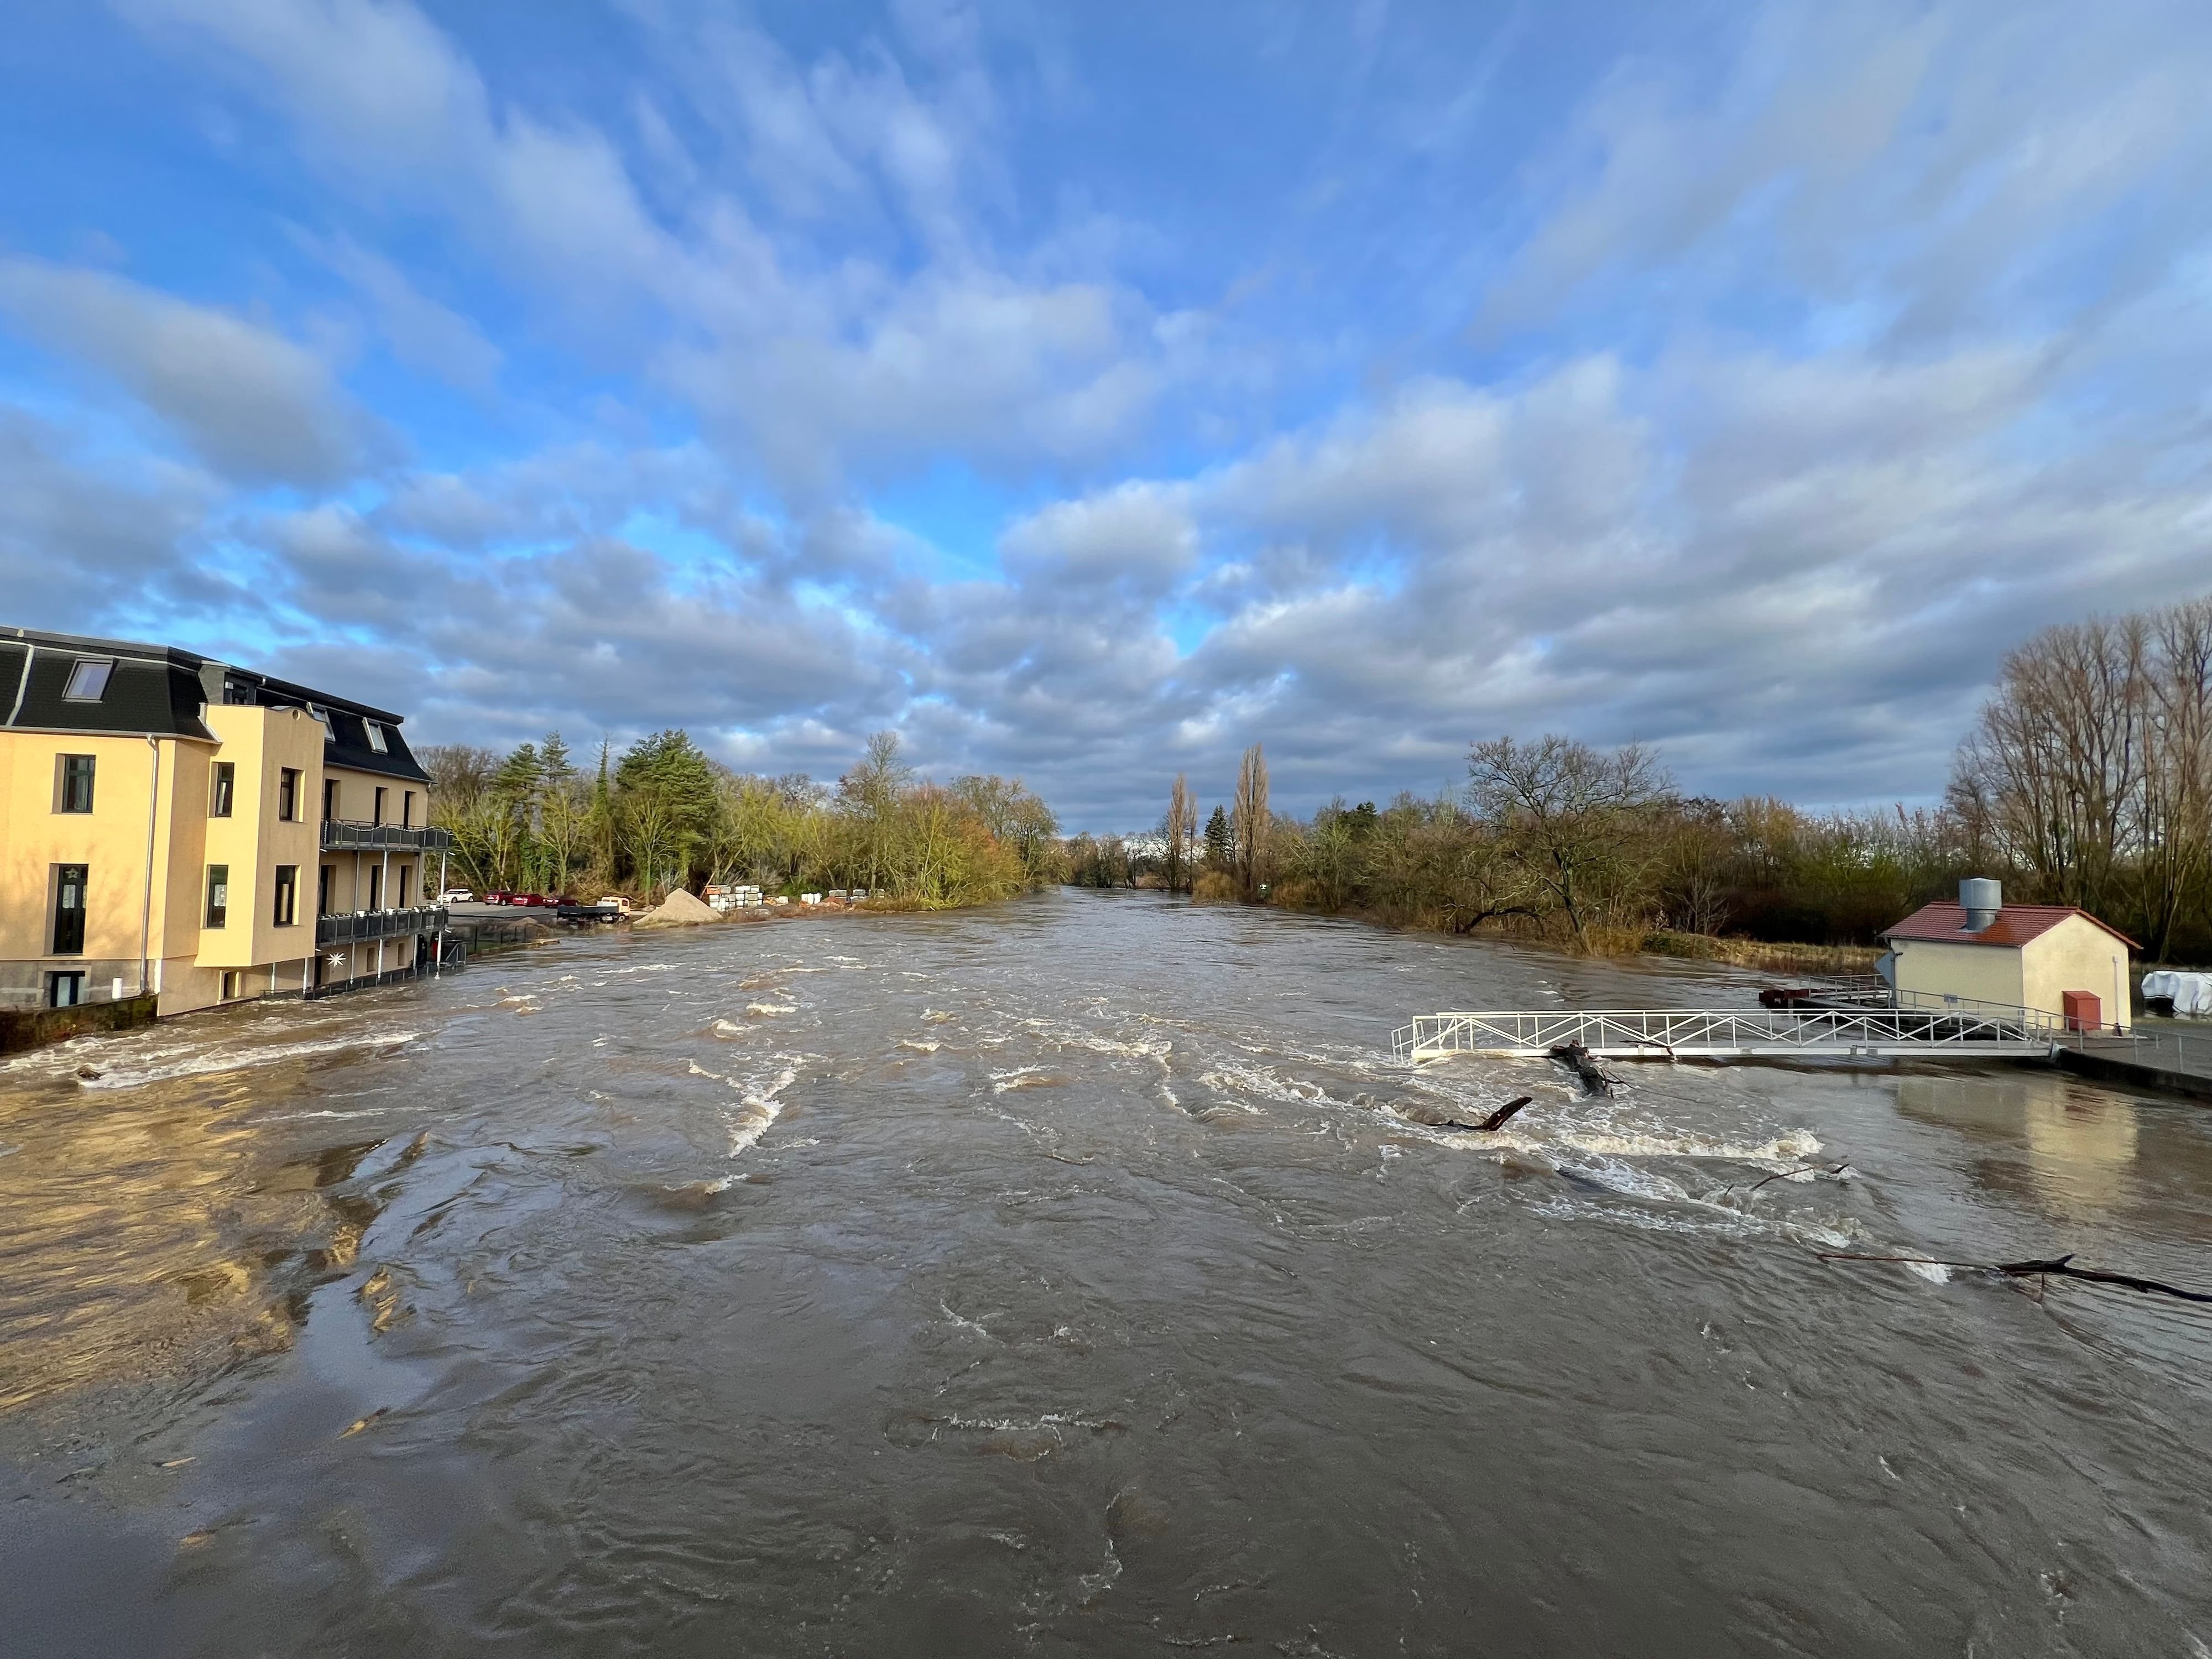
(23, 1029)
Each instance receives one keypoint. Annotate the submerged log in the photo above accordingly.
(2057, 1267)
(1490, 1125)
(1498, 1119)
(1576, 1058)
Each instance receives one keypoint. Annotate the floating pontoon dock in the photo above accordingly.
(1735, 1034)
(1843, 1026)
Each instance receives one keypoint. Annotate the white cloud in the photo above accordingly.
(250, 402)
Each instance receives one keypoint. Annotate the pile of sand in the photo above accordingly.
(679, 909)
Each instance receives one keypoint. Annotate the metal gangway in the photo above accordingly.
(1936, 1029)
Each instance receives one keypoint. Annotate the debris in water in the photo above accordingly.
(1576, 1058)
(1806, 1173)
(1491, 1124)
(2057, 1267)
(88, 1072)
(361, 1423)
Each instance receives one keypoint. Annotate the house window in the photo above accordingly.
(376, 737)
(223, 786)
(321, 716)
(376, 887)
(233, 985)
(329, 798)
(405, 871)
(65, 990)
(407, 809)
(288, 794)
(218, 904)
(287, 895)
(323, 884)
(88, 682)
(73, 783)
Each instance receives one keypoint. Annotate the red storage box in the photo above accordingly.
(2083, 1012)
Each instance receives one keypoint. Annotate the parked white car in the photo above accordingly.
(458, 896)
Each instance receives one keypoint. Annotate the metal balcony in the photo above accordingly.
(347, 835)
(353, 927)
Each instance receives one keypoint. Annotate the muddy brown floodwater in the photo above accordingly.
(1074, 1277)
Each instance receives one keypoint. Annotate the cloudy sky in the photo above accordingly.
(1089, 390)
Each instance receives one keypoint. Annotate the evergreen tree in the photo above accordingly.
(1220, 847)
(554, 765)
(666, 784)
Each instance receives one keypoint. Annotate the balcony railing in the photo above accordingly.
(355, 926)
(347, 836)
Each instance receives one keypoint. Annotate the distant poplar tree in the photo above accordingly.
(1179, 830)
(1251, 821)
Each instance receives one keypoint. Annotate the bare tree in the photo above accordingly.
(1576, 819)
(2174, 829)
(1179, 829)
(1249, 819)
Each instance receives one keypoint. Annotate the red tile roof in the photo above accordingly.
(2015, 925)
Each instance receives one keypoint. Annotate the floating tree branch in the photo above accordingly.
(1490, 1125)
(2057, 1267)
(1576, 1058)
(1809, 1169)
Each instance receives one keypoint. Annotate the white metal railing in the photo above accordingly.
(1711, 1033)
(2167, 1051)
(360, 926)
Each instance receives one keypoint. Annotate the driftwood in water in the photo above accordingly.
(1576, 1058)
(1490, 1125)
(2056, 1267)
(1498, 1119)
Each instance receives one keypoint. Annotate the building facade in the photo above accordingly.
(176, 827)
(2049, 957)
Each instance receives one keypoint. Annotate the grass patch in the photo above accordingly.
(1759, 954)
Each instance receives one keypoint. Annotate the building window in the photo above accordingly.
(405, 871)
(376, 737)
(88, 682)
(65, 990)
(323, 884)
(218, 905)
(329, 799)
(233, 985)
(288, 794)
(376, 887)
(321, 716)
(223, 786)
(287, 895)
(407, 809)
(376, 808)
(73, 783)
(70, 881)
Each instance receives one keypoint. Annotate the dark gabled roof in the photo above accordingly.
(1945, 923)
(158, 691)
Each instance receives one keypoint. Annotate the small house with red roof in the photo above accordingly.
(2053, 958)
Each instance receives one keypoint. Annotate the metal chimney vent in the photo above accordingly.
(1982, 899)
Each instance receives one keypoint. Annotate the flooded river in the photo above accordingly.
(1074, 1277)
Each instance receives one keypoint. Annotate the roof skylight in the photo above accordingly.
(88, 681)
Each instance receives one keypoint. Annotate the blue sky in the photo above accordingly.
(1088, 391)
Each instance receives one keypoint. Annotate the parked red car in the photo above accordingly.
(503, 897)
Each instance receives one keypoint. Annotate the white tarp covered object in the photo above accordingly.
(2191, 993)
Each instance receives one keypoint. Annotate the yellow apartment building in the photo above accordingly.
(176, 827)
